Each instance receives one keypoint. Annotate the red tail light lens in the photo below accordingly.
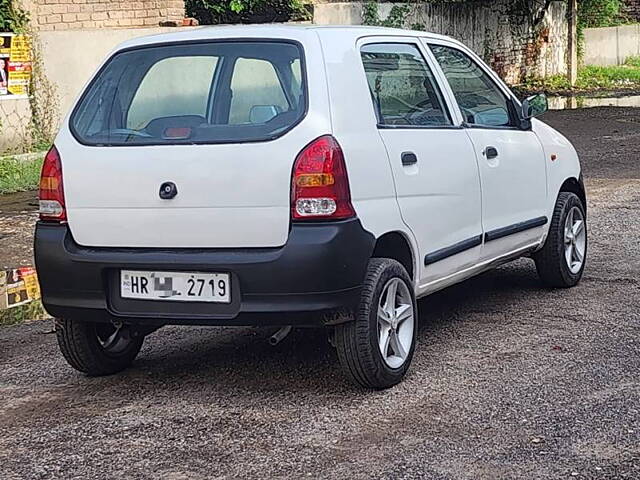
(320, 186)
(52, 206)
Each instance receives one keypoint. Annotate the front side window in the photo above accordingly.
(194, 93)
(402, 86)
(481, 101)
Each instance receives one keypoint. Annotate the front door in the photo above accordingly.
(432, 159)
(511, 160)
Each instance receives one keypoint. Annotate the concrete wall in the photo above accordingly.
(15, 115)
(611, 45)
(82, 14)
(511, 47)
(71, 57)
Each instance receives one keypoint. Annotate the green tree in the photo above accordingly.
(12, 17)
(214, 12)
(600, 13)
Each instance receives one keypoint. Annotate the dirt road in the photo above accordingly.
(511, 380)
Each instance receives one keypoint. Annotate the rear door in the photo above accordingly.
(432, 159)
(511, 160)
(221, 121)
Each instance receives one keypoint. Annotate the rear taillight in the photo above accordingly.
(51, 190)
(320, 187)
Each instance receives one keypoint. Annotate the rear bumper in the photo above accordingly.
(317, 274)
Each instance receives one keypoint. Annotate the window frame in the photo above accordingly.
(513, 104)
(428, 60)
(214, 85)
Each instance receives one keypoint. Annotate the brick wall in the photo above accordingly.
(632, 9)
(514, 48)
(92, 14)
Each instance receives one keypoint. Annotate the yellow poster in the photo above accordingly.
(31, 284)
(19, 71)
(5, 46)
(20, 49)
(19, 78)
(18, 286)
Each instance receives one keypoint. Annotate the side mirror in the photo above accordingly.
(534, 106)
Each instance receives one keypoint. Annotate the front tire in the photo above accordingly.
(376, 348)
(561, 261)
(97, 348)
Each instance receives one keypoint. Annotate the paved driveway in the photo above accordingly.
(511, 380)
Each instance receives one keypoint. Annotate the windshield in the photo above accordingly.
(215, 92)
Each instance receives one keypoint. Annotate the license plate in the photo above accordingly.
(175, 286)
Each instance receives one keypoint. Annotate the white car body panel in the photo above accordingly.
(230, 195)
(241, 199)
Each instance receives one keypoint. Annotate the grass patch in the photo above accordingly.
(633, 62)
(19, 174)
(591, 78)
(24, 313)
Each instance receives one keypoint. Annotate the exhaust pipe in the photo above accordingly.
(280, 335)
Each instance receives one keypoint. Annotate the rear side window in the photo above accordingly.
(403, 88)
(263, 94)
(216, 92)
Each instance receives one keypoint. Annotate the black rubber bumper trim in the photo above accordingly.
(321, 268)
(447, 252)
(515, 228)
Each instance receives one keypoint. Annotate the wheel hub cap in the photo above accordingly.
(395, 323)
(575, 240)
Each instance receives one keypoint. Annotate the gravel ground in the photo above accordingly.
(17, 218)
(511, 380)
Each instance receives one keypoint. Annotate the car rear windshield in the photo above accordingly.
(214, 92)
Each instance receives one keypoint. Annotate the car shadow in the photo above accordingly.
(233, 358)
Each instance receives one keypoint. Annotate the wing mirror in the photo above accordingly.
(534, 106)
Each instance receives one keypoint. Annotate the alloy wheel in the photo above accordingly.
(575, 240)
(395, 323)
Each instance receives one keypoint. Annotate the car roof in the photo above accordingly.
(284, 31)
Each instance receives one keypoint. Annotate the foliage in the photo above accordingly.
(213, 12)
(43, 101)
(24, 313)
(600, 13)
(520, 12)
(18, 175)
(12, 17)
(397, 17)
(592, 78)
(633, 62)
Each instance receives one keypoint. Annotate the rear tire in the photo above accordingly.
(97, 348)
(561, 261)
(380, 325)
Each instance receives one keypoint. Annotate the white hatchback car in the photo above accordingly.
(279, 175)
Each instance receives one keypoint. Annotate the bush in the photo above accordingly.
(12, 17)
(17, 175)
(214, 12)
(600, 13)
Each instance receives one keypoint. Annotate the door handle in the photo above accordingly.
(409, 158)
(490, 152)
